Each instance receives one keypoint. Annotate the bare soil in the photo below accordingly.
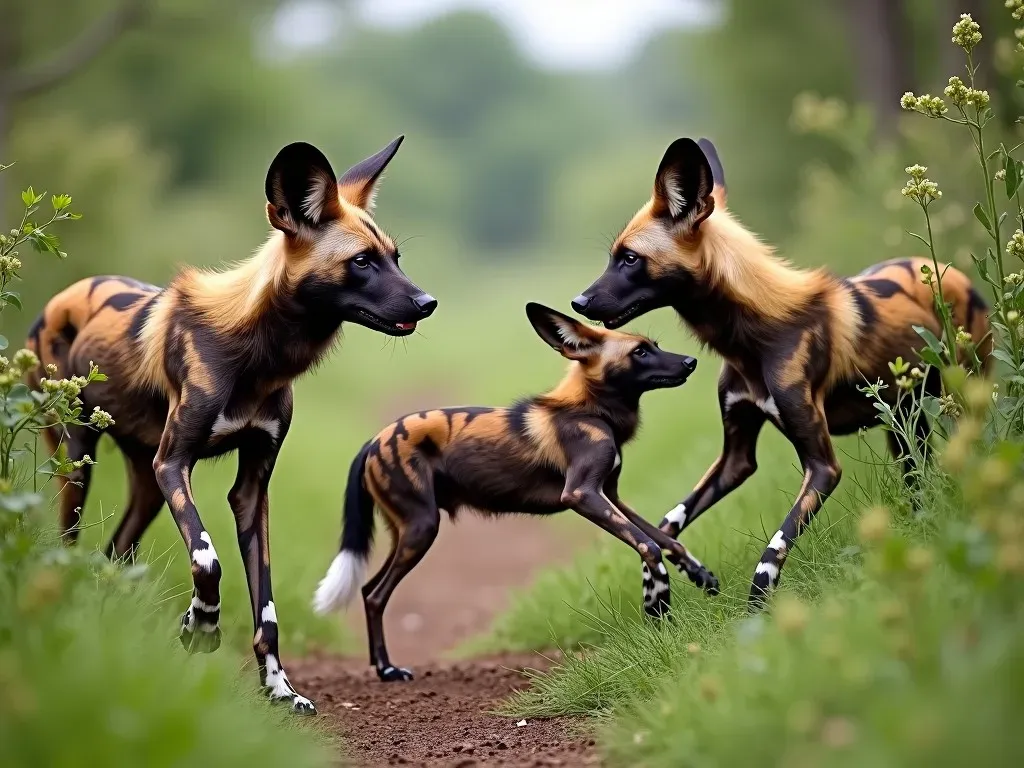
(445, 716)
(442, 718)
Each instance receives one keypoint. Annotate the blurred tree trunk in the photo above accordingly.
(19, 81)
(879, 36)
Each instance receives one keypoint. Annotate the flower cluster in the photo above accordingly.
(926, 104)
(1016, 8)
(962, 96)
(966, 32)
(1015, 246)
(948, 406)
(12, 371)
(963, 337)
(100, 418)
(9, 266)
(920, 189)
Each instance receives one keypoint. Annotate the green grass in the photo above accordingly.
(907, 651)
(89, 675)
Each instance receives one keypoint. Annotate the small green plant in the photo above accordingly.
(999, 266)
(26, 412)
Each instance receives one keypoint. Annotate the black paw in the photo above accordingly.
(760, 588)
(394, 675)
(303, 706)
(706, 580)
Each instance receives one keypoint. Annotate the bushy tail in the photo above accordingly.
(346, 573)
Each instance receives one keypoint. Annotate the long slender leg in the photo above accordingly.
(250, 503)
(188, 425)
(81, 441)
(144, 503)
(598, 509)
(907, 454)
(673, 550)
(585, 479)
(371, 585)
(742, 420)
(806, 427)
(415, 533)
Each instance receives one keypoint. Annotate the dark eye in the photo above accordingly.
(629, 258)
(362, 260)
(642, 350)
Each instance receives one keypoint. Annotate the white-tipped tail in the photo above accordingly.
(339, 586)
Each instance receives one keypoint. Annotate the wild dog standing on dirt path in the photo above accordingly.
(205, 366)
(796, 343)
(545, 454)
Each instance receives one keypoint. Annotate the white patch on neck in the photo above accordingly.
(617, 462)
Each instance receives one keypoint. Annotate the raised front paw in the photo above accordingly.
(391, 674)
(198, 637)
(705, 579)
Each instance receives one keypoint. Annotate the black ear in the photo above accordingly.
(717, 172)
(683, 184)
(301, 188)
(571, 338)
(358, 183)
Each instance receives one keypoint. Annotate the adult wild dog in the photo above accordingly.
(796, 343)
(540, 456)
(205, 366)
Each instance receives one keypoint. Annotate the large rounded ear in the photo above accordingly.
(301, 189)
(571, 338)
(358, 184)
(719, 191)
(683, 184)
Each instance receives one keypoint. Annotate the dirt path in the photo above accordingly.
(442, 717)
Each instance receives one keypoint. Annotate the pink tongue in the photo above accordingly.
(405, 326)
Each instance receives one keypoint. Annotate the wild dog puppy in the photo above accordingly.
(561, 450)
(205, 366)
(796, 343)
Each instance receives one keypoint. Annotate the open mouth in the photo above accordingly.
(395, 329)
(668, 381)
(630, 312)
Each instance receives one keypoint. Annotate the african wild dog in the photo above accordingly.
(540, 456)
(796, 343)
(205, 366)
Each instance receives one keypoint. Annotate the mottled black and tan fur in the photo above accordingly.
(205, 366)
(561, 450)
(796, 343)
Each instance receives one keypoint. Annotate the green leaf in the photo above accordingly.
(28, 197)
(1012, 177)
(13, 299)
(929, 338)
(3, 342)
(931, 357)
(981, 215)
(1002, 354)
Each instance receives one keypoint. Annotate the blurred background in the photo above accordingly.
(533, 132)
